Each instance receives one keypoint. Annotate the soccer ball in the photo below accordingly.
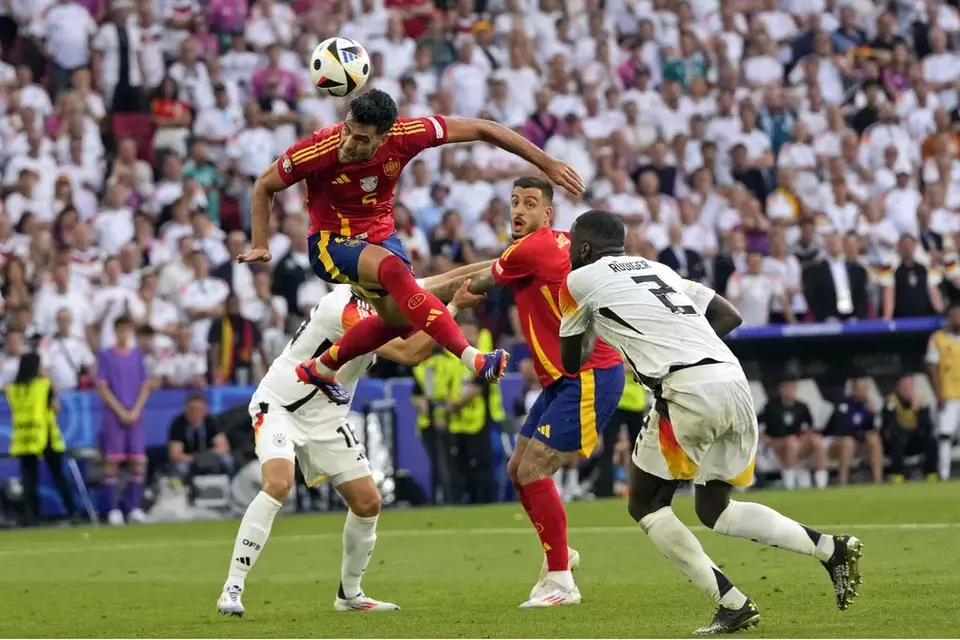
(339, 66)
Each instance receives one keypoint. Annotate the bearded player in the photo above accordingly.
(293, 423)
(702, 426)
(351, 171)
(563, 425)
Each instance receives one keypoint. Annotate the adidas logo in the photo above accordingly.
(544, 430)
(432, 315)
(341, 179)
(245, 561)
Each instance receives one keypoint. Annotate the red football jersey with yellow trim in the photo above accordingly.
(535, 267)
(357, 199)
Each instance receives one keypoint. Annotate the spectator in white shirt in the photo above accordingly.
(67, 31)
(754, 292)
(202, 300)
(183, 366)
(10, 356)
(113, 226)
(110, 301)
(68, 359)
(209, 238)
(218, 124)
(175, 275)
(61, 295)
(466, 81)
(268, 312)
(120, 93)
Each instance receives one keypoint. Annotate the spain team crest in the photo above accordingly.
(391, 167)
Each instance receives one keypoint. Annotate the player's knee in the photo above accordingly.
(709, 505)
(367, 505)
(639, 506)
(277, 486)
(532, 469)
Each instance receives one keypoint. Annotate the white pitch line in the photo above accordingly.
(95, 546)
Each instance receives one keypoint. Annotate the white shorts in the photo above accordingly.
(705, 428)
(325, 450)
(949, 419)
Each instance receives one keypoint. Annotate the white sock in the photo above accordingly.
(820, 478)
(359, 537)
(469, 358)
(762, 524)
(563, 578)
(253, 534)
(945, 461)
(789, 477)
(683, 549)
(558, 480)
(324, 370)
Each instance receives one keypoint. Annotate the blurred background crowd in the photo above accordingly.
(800, 156)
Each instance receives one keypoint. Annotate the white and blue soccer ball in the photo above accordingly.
(339, 66)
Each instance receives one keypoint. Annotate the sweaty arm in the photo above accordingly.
(719, 312)
(445, 285)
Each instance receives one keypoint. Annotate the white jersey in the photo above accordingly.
(329, 320)
(646, 311)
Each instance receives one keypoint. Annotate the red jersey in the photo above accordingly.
(535, 267)
(357, 199)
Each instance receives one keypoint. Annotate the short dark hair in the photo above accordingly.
(123, 320)
(196, 397)
(375, 108)
(533, 182)
(602, 227)
(29, 368)
(146, 331)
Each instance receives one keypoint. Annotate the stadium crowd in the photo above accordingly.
(800, 156)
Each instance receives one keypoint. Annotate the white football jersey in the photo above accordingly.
(644, 310)
(329, 320)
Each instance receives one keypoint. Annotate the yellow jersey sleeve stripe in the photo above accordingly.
(320, 148)
(545, 290)
(408, 132)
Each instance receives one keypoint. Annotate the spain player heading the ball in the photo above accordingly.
(351, 171)
(564, 422)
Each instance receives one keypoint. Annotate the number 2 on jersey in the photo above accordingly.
(663, 291)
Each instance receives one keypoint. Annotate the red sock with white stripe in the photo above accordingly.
(549, 518)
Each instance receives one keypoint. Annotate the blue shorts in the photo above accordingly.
(570, 414)
(336, 259)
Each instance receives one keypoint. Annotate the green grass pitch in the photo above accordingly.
(462, 573)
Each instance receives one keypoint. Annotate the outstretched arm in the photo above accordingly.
(474, 130)
(444, 285)
(268, 184)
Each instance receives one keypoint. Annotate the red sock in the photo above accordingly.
(368, 335)
(524, 502)
(550, 519)
(423, 309)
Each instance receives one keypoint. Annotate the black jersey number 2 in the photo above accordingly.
(663, 291)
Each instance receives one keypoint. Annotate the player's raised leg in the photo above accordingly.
(359, 538)
(277, 475)
(650, 504)
(379, 269)
(839, 554)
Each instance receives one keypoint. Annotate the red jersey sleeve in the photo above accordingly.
(410, 136)
(519, 261)
(308, 155)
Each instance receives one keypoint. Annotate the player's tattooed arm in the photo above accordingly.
(722, 315)
(446, 286)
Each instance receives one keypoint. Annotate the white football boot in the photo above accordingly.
(552, 594)
(115, 518)
(361, 603)
(138, 516)
(229, 603)
(574, 562)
